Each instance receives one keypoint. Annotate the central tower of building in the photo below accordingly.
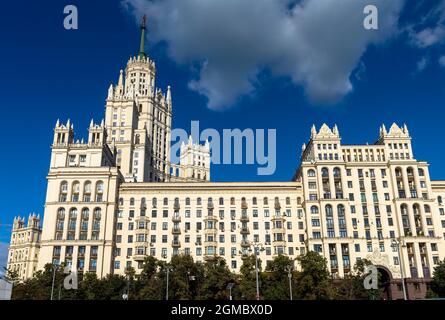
(138, 119)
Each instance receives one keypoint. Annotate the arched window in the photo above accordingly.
(337, 173)
(99, 191)
(311, 173)
(439, 200)
(232, 201)
(75, 190)
(87, 187)
(288, 201)
(84, 217)
(165, 201)
(299, 200)
(221, 201)
(72, 224)
(328, 210)
(254, 201)
(416, 209)
(314, 210)
(131, 201)
(341, 210)
(427, 208)
(198, 201)
(325, 172)
(137, 139)
(404, 209)
(121, 201)
(266, 201)
(60, 223)
(398, 172)
(154, 202)
(97, 215)
(87, 191)
(187, 201)
(410, 172)
(63, 191)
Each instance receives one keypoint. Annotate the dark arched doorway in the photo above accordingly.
(384, 281)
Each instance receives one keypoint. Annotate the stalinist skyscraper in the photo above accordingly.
(116, 198)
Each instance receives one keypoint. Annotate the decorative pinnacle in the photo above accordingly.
(142, 53)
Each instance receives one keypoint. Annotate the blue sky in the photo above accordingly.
(48, 73)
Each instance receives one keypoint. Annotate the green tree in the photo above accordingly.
(184, 279)
(247, 279)
(276, 280)
(313, 282)
(39, 287)
(438, 281)
(148, 282)
(216, 277)
(351, 287)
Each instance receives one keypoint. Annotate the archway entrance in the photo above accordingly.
(384, 283)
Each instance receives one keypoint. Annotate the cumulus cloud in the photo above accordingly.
(317, 44)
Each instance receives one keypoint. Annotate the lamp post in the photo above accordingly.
(289, 270)
(230, 287)
(396, 244)
(55, 268)
(256, 248)
(167, 270)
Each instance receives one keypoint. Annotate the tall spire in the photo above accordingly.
(142, 53)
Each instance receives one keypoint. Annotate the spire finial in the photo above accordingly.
(142, 43)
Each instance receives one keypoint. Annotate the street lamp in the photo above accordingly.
(289, 269)
(396, 244)
(168, 269)
(55, 268)
(256, 248)
(230, 287)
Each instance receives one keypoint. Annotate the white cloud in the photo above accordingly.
(433, 34)
(315, 43)
(421, 65)
(442, 61)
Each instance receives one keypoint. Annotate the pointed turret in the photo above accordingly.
(169, 96)
(120, 83)
(110, 92)
(313, 131)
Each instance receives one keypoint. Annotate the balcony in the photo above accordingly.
(176, 218)
(139, 257)
(176, 230)
(176, 243)
(176, 206)
(245, 230)
(244, 218)
(245, 243)
(244, 205)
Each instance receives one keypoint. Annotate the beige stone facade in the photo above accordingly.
(115, 199)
